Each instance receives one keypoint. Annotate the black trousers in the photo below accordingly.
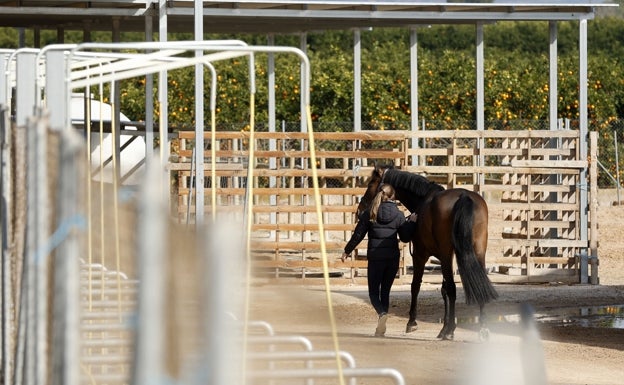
(381, 274)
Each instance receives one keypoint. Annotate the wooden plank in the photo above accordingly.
(360, 135)
(295, 245)
(284, 191)
(534, 260)
(329, 208)
(505, 243)
(580, 164)
(282, 172)
(442, 151)
(533, 224)
(375, 154)
(495, 134)
(534, 206)
(281, 209)
(552, 260)
(562, 243)
(423, 169)
(536, 188)
(316, 264)
(221, 167)
(302, 227)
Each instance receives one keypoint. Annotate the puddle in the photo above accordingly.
(611, 317)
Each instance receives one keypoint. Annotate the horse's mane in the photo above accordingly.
(414, 183)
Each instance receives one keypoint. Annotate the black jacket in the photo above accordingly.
(382, 234)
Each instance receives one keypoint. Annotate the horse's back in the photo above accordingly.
(479, 218)
(451, 196)
(442, 210)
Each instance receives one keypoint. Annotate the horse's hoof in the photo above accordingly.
(411, 327)
(446, 336)
(484, 334)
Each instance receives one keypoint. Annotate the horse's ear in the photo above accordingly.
(377, 168)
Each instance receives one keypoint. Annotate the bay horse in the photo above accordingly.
(450, 222)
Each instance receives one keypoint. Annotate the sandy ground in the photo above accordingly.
(572, 354)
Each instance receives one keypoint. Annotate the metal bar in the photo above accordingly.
(7, 240)
(552, 75)
(199, 118)
(480, 79)
(357, 80)
(66, 322)
(391, 374)
(583, 198)
(414, 89)
(152, 243)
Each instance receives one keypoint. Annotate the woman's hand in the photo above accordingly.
(413, 217)
(344, 256)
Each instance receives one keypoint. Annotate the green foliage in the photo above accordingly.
(516, 74)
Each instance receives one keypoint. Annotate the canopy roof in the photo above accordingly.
(280, 16)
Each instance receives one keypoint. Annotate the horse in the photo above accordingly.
(450, 222)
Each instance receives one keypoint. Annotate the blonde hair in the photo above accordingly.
(386, 193)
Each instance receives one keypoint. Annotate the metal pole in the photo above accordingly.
(199, 117)
(552, 76)
(66, 316)
(163, 102)
(357, 80)
(149, 92)
(152, 243)
(583, 180)
(617, 166)
(480, 80)
(414, 90)
(7, 240)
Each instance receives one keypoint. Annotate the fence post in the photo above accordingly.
(152, 242)
(593, 175)
(65, 352)
(7, 241)
(617, 166)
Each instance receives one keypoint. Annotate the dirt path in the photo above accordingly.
(572, 354)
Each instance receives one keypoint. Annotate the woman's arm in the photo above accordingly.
(360, 231)
(408, 228)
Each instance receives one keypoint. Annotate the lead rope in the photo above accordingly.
(319, 214)
(249, 211)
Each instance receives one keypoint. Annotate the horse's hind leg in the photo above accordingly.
(449, 294)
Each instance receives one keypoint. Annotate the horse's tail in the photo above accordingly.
(477, 285)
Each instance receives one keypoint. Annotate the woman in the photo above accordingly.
(382, 221)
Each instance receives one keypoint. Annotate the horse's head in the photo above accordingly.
(374, 183)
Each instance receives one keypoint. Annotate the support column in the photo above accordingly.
(116, 108)
(149, 93)
(414, 89)
(552, 81)
(199, 117)
(583, 199)
(480, 82)
(357, 81)
(163, 118)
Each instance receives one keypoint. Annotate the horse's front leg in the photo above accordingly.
(449, 294)
(419, 269)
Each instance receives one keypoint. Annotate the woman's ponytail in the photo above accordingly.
(386, 192)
